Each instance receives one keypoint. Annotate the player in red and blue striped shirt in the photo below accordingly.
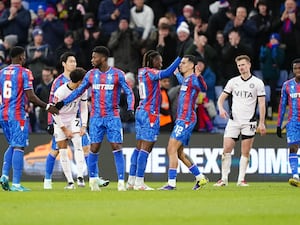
(15, 91)
(106, 84)
(191, 85)
(147, 115)
(290, 96)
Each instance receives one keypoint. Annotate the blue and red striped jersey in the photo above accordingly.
(189, 90)
(290, 96)
(14, 81)
(149, 90)
(59, 81)
(105, 91)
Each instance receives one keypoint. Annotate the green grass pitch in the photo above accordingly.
(260, 203)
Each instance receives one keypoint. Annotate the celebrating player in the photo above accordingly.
(191, 85)
(147, 115)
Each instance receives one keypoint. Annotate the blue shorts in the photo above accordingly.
(16, 132)
(182, 131)
(292, 133)
(146, 126)
(85, 141)
(109, 125)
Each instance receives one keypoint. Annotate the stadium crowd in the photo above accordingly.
(214, 31)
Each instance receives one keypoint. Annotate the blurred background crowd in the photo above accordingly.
(214, 31)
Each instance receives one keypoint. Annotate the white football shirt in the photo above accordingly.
(69, 112)
(245, 95)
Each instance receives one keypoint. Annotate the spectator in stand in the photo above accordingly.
(75, 11)
(16, 20)
(209, 77)
(219, 64)
(88, 37)
(201, 49)
(206, 110)
(109, 14)
(187, 14)
(8, 42)
(163, 40)
(233, 48)
(271, 60)
(142, 19)
(263, 20)
(165, 116)
(40, 16)
(129, 124)
(43, 91)
(184, 40)
(198, 22)
(289, 30)
(124, 44)
(172, 21)
(38, 55)
(218, 21)
(53, 29)
(246, 27)
(69, 45)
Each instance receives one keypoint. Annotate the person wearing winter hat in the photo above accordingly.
(37, 31)
(53, 28)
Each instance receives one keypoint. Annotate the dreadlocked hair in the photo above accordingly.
(148, 58)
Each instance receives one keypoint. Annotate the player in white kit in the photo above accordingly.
(246, 91)
(68, 126)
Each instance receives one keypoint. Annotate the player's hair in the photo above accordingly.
(295, 61)
(148, 58)
(77, 74)
(102, 50)
(191, 58)
(16, 51)
(64, 57)
(241, 57)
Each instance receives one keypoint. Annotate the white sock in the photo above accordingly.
(66, 164)
(226, 163)
(131, 180)
(244, 161)
(200, 176)
(296, 176)
(139, 181)
(172, 182)
(78, 154)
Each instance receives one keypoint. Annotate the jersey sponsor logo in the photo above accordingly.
(243, 94)
(103, 86)
(8, 72)
(295, 95)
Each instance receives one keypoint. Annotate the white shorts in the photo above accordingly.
(74, 126)
(234, 129)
